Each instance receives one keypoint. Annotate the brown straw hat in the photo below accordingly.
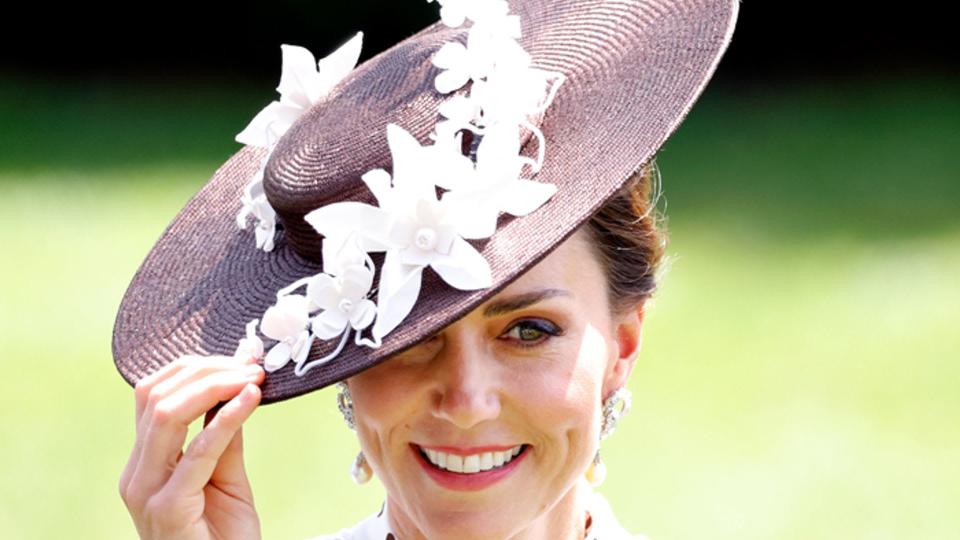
(630, 72)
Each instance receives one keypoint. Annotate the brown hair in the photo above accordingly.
(628, 239)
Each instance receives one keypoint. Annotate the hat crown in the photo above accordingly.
(321, 158)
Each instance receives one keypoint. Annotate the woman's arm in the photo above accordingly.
(202, 493)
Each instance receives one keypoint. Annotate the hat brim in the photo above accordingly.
(204, 280)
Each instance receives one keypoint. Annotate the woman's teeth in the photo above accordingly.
(472, 463)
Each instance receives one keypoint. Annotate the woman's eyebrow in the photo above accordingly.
(520, 301)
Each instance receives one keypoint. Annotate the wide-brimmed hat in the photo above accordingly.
(391, 199)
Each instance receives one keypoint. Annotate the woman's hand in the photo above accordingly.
(202, 493)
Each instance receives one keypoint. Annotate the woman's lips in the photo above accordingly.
(469, 469)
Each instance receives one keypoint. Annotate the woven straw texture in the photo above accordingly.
(634, 70)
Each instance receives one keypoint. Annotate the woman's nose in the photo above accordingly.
(469, 385)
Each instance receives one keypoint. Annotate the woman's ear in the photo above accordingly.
(627, 333)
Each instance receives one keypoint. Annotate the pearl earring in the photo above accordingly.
(360, 471)
(614, 407)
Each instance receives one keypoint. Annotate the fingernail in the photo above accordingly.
(252, 370)
(247, 393)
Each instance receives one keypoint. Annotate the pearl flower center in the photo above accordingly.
(425, 239)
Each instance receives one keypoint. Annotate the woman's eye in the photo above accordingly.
(531, 332)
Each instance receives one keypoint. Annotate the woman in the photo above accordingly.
(482, 379)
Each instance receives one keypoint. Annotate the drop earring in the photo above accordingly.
(614, 407)
(360, 471)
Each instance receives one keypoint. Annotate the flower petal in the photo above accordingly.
(323, 292)
(264, 234)
(255, 134)
(363, 314)
(338, 253)
(520, 197)
(399, 289)
(453, 170)
(298, 72)
(465, 268)
(336, 65)
(355, 282)
(413, 170)
(453, 15)
(301, 349)
(341, 219)
(451, 55)
(250, 346)
(286, 318)
(498, 152)
(475, 215)
(329, 324)
(450, 80)
(278, 357)
(414, 256)
(378, 182)
(459, 108)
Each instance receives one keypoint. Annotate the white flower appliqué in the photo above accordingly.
(428, 208)
(250, 346)
(413, 227)
(303, 81)
(337, 297)
(286, 321)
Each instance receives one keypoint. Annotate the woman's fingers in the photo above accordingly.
(153, 388)
(169, 421)
(182, 371)
(146, 384)
(142, 394)
(216, 454)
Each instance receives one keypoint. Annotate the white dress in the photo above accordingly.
(603, 526)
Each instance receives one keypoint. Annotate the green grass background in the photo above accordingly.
(799, 377)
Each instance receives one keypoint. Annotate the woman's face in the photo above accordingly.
(528, 369)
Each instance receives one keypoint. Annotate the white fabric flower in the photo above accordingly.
(460, 112)
(250, 346)
(414, 225)
(482, 54)
(495, 185)
(303, 81)
(414, 228)
(254, 202)
(286, 322)
(341, 292)
(454, 13)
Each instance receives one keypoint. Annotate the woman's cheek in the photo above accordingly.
(381, 398)
(568, 393)
(559, 401)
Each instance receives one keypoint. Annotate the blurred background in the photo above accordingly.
(800, 372)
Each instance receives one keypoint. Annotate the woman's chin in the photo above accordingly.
(484, 524)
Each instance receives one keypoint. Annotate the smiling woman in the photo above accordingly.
(460, 233)
(506, 400)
